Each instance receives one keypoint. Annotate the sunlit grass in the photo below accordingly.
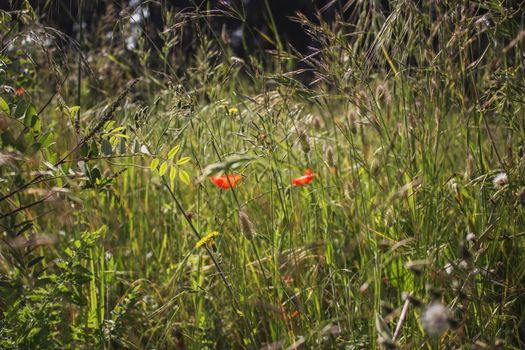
(407, 122)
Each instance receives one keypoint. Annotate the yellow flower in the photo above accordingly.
(206, 239)
(233, 111)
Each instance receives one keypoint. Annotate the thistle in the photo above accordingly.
(500, 181)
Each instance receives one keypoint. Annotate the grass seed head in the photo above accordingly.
(246, 225)
(330, 156)
(318, 124)
(304, 141)
(520, 195)
(382, 94)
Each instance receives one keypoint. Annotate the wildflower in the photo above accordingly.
(233, 111)
(500, 181)
(435, 319)
(305, 179)
(20, 91)
(247, 228)
(226, 181)
(206, 239)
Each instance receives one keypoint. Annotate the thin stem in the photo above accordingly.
(215, 262)
(402, 318)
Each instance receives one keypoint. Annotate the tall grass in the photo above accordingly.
(406, 115)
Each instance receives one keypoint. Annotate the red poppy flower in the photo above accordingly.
(305, 179)
(20, 91)
(222, 181)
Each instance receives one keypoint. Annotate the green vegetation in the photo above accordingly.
(413, 122)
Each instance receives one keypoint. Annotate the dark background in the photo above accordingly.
(66, 15)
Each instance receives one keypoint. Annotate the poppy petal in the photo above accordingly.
(303, 180)
(226, 181)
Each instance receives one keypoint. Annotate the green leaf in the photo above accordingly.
(116, 130)
(173, 152)
(154, 163)
(73, 110)
(51, 155)
(183, 160)
(109, 124)
(30, 117)
(122, 146)
(20, 110)
(4, 107)
(163, 168)
(106, 147)
(94, 149)
(36, 125)
(184, 177)
(35, 261)
(33, 148)
(94, 174)
(173, 173)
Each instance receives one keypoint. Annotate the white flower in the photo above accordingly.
(500, 180)
(108, 255)
(435, 319)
